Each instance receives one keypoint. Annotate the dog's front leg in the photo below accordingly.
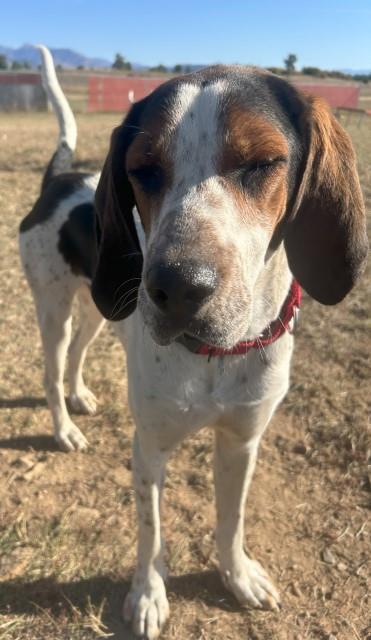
(236, 449)
(146, 605)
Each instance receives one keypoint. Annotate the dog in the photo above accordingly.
(57, 248)
(223, 192)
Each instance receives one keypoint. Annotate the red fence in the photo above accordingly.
(337, 95)
(8, 77)
(117, 94)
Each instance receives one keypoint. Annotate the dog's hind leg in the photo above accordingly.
(55, 319)
(82, 400)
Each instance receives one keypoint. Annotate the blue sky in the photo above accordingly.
(327, 33)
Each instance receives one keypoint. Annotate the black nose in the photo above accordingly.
(180, 289)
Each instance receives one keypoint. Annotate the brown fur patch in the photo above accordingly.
(150, 148)
(251, 139)
(326, 241)
(331, 157)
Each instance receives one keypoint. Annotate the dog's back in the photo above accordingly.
(62, 219)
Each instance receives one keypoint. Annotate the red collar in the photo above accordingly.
(285, 321)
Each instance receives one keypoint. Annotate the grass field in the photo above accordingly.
(67, 522)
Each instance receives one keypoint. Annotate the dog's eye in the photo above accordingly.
(149, 177)
(258, 170)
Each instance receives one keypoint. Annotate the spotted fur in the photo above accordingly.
(209, 188)
(57, 248)
(225, 167)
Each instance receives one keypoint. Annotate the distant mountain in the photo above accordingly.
(192, 67)
(356, 72)
(70, 59)
(65, 57)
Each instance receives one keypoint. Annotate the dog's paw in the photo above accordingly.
(70, 438)
(147, 608)
(84, 402)
(251, 585)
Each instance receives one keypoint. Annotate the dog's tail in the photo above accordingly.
(61, 162)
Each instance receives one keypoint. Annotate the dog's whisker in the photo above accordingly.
(262, 351)
(123, 284)
(121, 300)
(130, 255)
(138, 129)
(121, 309)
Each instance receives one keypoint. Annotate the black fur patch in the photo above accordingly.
(61, 162)
(77, 240)
(58, 189)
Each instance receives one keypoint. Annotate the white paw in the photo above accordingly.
(147, 608)
(70, 438)
(251, 585)
(84, 402)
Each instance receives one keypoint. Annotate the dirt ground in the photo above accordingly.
(67, 521)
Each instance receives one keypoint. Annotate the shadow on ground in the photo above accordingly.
(22, 402)
(28, 443)
(58, 598)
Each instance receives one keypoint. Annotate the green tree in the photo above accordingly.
(178, 68)
(313, 71)
(120, 63)
(290, 63)
(3, 62)
(16, 66)
(160, 68)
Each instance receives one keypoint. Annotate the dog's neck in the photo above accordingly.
(270, 292)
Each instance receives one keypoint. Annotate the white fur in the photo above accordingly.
(54, 287)
(198, 203)
(66, 119)
(173, 392)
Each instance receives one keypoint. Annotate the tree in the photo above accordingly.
(3, 62)
(16, 66)
(120, 63)
(290, 62)
(160, 68)
(314, 71)
(178, 68)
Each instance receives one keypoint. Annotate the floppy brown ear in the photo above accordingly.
(325, 238)
(119, 264)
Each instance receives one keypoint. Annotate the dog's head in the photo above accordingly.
(223, 165)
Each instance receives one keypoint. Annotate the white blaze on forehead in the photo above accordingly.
(195, 120)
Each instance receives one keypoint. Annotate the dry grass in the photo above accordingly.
(67, 522)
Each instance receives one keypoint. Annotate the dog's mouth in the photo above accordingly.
(194, 332)
(193, 338)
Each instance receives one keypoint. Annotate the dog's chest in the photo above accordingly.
(169, 384)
